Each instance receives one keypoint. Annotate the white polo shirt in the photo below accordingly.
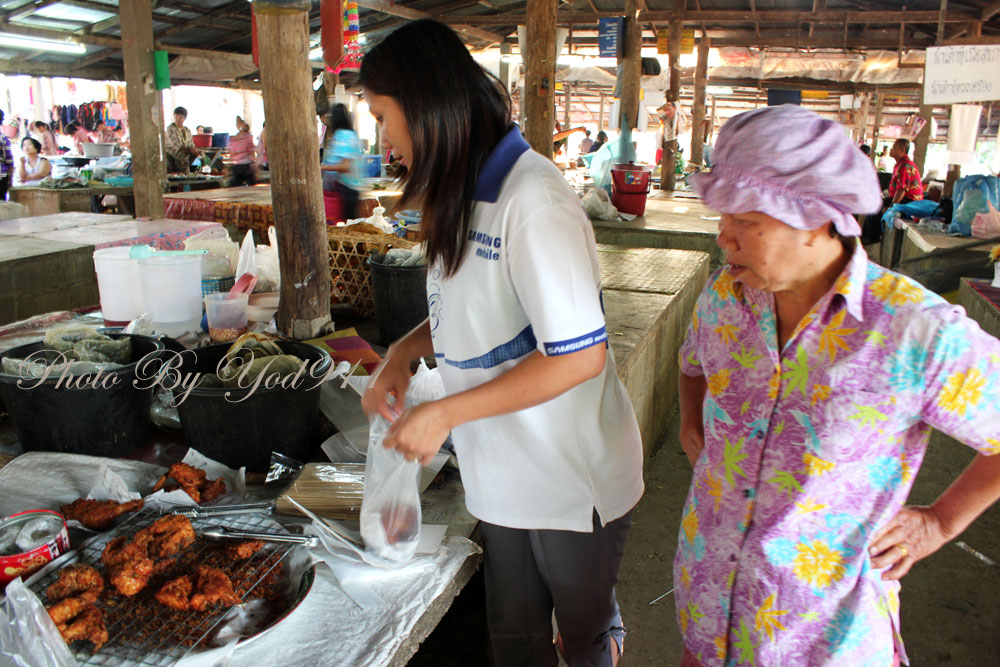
(530, 281)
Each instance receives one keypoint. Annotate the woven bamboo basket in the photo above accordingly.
(350, 277)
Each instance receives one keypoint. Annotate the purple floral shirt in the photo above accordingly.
(808, 452)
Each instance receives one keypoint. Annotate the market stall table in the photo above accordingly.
(248, 208)
(934, 259)
(982, 303)
(194, 182)
(670, 221)
(42, 200)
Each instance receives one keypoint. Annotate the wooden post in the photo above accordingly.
(714, 120)
(698, 110)
(540, 75)
(567, 101)
(920, 141)
(879, 100)
(670, 145)
(144, 103)
(631, 64)
(505, 65)
(600, 116)
(296, 187)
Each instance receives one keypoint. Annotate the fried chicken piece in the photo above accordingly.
(122, 549)
(213, 587)
(66, 610)
(213, 490)
(88, 625)
(176, 593)
(194, 481)
(243, 550)
(130, 577)
(168, 535)
(73, 580)
(98, 514)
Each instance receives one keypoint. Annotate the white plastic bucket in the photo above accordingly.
(118, 284)
(171, 292)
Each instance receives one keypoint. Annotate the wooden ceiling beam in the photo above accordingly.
(237, 7)
(717, 16)
(990, 11)
(402, 11)
(59, 69)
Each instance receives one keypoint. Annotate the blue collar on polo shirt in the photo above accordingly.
(499, 164)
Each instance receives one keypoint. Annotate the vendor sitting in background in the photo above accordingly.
(904, 188)
(50, 145)
(242, 156)
(32, 167)
(102, 134)
(181, 151)
(79, 135)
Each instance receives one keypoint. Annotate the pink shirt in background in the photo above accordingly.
(241, 149)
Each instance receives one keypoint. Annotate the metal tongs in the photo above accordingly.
(218, 533)
(200, 512)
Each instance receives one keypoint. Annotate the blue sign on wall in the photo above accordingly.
(611, 36)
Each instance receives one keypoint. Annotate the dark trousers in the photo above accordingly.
(4, 187)
(871, 225)
(242, 174)
(349, 200)
(530, 573)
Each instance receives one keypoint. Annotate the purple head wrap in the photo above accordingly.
(793, 165)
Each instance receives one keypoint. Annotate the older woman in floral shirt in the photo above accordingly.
(811, 380)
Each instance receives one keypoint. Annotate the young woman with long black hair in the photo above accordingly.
(546, 437)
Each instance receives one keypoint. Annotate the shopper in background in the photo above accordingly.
(32, 167)
(6, 163)
(79, 135)
(102, 134)
(262, 147)
(242, 156)
(586, 143)
(602, 138)
(547, 440)
(341, 164)
(45, 135)
(181, 151)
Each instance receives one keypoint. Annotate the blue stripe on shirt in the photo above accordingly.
(575, 344)
(517, 347)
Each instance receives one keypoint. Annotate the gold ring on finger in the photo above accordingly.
(903, 550)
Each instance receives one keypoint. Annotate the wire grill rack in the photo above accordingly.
(142, 631)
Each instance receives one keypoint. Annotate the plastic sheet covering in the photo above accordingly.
(28, 637)
(210, 69)
(822, 65)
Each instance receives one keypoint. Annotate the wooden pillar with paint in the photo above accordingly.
(631, 64)
(669, 144)
(698, 108)
(296, 187)
(540, 75)
(145, 102)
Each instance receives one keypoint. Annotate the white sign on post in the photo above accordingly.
(954, 74)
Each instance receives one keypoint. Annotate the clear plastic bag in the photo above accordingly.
(217, 242)
(28, 637)
(390, 509)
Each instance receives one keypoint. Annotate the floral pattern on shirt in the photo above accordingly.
(906, 177)
(808, 452)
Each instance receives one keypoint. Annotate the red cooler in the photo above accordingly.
(630, 185)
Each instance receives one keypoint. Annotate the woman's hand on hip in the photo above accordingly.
(419, 432)
(913, 534)
(391, 377)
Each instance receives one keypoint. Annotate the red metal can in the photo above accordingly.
(41, 522)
